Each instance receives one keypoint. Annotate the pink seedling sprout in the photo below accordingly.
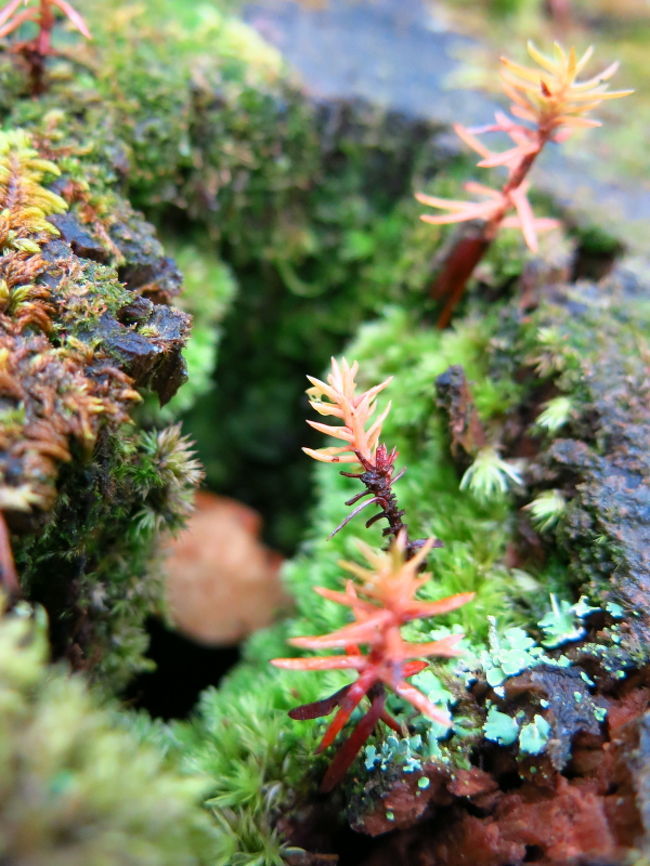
(549, 104)
(381, 598)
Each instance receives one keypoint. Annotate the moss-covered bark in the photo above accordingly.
(87, 329)
(310, 207)
(557, 685)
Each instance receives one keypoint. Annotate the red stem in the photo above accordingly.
(467, 252)
(350, 748)
(45, 24)
(459, 266)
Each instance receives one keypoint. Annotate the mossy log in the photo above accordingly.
(545, 762)
(87, 329)
(321, 234)
(572, 789)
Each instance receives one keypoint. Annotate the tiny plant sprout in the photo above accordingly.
(547, 104)
(381, 594)
(555, 415)
(550, 355)
(338, 398)
(374, 462)
(490, 477)
(382, 597)
(546, 509)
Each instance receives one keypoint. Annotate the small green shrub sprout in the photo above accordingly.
(552, 103)
(555, 415)
(490, 477)
(546, 509)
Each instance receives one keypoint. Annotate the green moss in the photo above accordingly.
(256, 761)
(86, 294)
(191, 126)
(78, 786)
(91, 562)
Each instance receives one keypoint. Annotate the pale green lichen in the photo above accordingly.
(500, 727)
(511, 652)
(614, 610)
(407, 753)
(534, 736)
(564, 622)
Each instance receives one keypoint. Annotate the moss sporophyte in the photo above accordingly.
(382, 595)
(552, 104)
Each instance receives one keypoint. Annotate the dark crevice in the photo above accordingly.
(190, 667)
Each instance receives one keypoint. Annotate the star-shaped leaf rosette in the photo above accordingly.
(339, 399)
(552, 103)
(382, 597)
